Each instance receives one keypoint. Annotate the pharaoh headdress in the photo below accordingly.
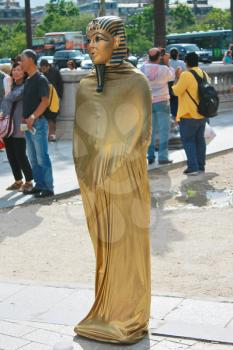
(114, 26)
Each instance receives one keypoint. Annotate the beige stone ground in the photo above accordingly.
(192, 236)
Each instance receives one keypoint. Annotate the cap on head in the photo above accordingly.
(30, 54)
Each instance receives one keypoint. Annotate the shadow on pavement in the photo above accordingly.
(163, 232)
(14, 225)
(87, 344)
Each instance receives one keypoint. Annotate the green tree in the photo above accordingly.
(215, 19)
(181, 18)
(12, 39)
(62, 16)
(139, 31)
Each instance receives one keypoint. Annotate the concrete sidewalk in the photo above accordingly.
(63, 167)
(35, 317)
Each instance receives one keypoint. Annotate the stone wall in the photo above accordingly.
(221, 77)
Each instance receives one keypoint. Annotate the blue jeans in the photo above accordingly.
(192, 136)
(37, 149)
(160, 123)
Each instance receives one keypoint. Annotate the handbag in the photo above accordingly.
(209, 133)
(6, 123)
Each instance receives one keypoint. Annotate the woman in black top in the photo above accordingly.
(15, 144)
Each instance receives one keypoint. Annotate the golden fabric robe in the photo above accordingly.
(111, 135)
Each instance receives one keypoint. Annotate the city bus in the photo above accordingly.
(64, 41)
(38, 45)
(214, 41)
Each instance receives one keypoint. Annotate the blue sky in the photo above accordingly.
(217, 3)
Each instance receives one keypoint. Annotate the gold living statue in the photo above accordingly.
(111, 135)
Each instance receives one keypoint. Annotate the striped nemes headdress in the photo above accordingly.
(114, 26)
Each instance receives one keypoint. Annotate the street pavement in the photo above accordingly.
(63, 167)
(36, 317)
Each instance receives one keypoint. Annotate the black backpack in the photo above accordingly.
(208, 96)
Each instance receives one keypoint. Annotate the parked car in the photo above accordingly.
(86, 62)
(48, 58)
(204, 55)
(63, 56)
(5, 62)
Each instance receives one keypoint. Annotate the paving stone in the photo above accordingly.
(195, 331)
(168, 345)
(71, 310)
(8, 289)
(161, 306)
(14, 329)
(32, 301)
(67, 330)
(174, 339)
(11, 343)
(209, 346)
(36, 346)
(202, 312)
(46, 337)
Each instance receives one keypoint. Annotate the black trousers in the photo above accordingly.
(16, 154)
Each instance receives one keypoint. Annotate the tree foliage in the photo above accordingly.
(61, 16)
(180, 18)
(12, 39)
(215, 19)
(140, 29)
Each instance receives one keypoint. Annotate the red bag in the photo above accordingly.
(6, 126)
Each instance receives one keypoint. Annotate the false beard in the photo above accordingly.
(100, 73)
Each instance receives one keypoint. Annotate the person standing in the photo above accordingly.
(111, 135)
(175, 63)
(54, 77)
(159, 75)
(5, 83)
(227, 59)
(192, 124)
(35, 102)
(15, 145)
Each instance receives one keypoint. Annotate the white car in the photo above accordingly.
(86, 62)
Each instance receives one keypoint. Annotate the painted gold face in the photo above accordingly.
(101, 46)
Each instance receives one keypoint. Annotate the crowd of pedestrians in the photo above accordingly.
(175, 95)
(25, 96)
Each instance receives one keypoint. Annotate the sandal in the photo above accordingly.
(26, 187)
(15, 186)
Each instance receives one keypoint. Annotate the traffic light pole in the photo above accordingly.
(28, 24)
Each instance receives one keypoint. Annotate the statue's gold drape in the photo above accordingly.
(111, 136)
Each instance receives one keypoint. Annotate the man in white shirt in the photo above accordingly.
(159, 76)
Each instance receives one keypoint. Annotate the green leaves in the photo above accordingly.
(62, 15)
(12, 39)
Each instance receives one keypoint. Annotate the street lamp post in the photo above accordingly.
(28, 24)
(159, 23)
